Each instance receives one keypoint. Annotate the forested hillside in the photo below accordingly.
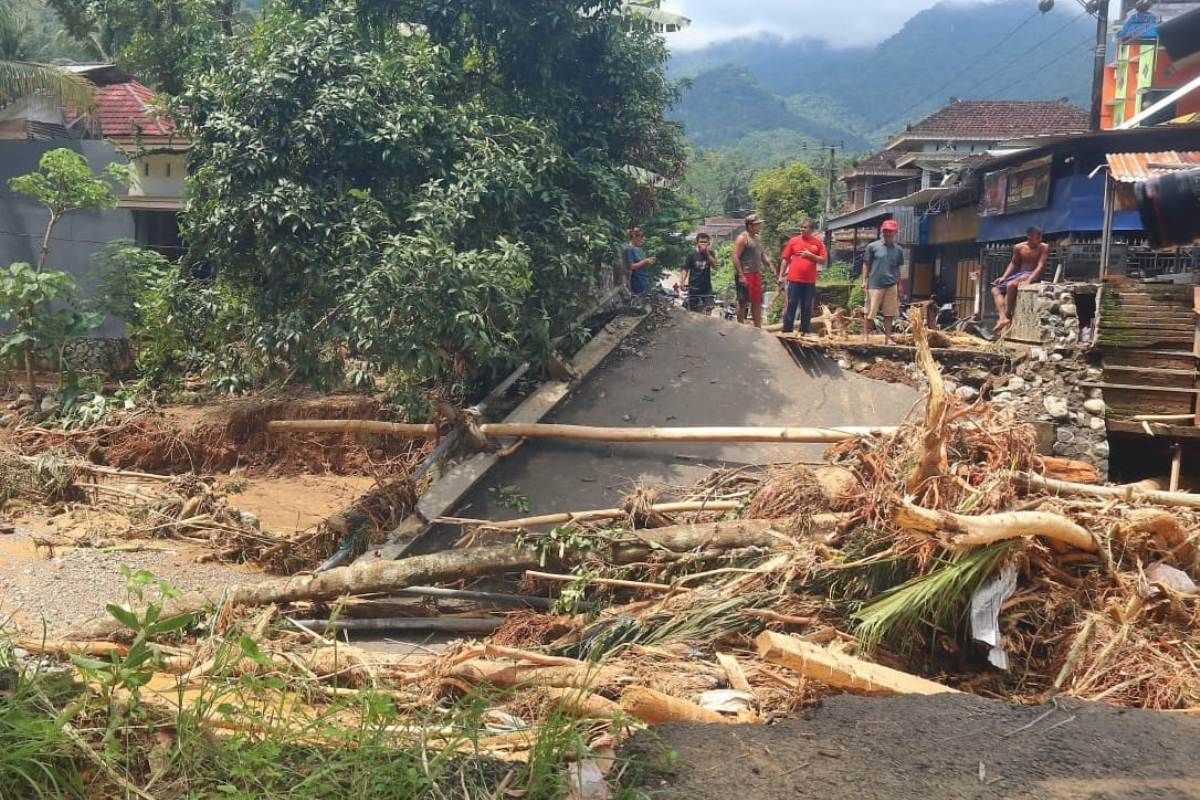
(804, 89)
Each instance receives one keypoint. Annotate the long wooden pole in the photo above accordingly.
(589, 433)
(593, 514)
(703, 434)
(1128, 492)
(401, 429)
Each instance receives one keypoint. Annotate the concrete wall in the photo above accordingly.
(159, 175)
(80, 234)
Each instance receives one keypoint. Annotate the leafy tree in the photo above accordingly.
(425, 187)
(21, 74)
(668, 229)
(784, 196)
(160, 41)
(63, 183)
(719, 181)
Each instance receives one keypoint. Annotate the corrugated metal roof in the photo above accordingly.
(1132, 167)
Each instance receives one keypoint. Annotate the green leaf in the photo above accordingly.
(124, 616)
(171, 624)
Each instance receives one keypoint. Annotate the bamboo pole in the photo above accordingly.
(1162, 418)
(589, 433)
(402, 429)
(1128, 492)
(593, 514)
(441, 624)
(614, 582)
(988, 528)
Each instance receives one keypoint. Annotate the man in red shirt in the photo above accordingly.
(801, 255)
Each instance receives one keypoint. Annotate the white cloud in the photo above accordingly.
(837, 22)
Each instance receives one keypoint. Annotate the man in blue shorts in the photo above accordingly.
(1028, 261)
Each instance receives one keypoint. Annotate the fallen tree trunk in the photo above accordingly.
(1128, 492)
(840, 670)
(967, 531)
(656, 708)
(588, 433)
(366, 578)
(381, 577)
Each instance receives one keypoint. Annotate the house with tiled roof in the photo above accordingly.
(922, 154)
(125, 126)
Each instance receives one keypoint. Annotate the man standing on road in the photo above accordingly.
(801, 256)
(637, 263)
(880, 276)
(749, 261)
(1028, 261)
(697, 276)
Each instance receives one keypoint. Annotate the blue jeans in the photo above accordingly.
(639, 281)
(800, 298)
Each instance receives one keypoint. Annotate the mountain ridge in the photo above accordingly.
(860, 95)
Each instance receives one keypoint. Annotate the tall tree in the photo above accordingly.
(785, 196)
(428, 187)
(160, 41)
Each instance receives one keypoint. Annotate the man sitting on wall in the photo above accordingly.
(1028, 261)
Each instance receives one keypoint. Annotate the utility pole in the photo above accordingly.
(1101, 11)
(829, 199)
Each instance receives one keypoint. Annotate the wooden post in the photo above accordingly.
(1176, 466)
(1107, 229)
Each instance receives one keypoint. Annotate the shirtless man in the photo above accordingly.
(1028, 261)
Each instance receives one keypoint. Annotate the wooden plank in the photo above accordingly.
(1158, 430)
(1177, 378)
(1166, 359)
(1138, 388)
(840, 670)
(1124, 403)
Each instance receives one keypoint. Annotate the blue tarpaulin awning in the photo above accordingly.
(1076, 206)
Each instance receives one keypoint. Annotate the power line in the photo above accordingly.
(1086, 43)
(938, 91)
(1017, 61)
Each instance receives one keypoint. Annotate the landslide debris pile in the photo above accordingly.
(947, 556)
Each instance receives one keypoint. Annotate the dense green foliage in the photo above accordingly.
(861, 95)
(160, 41)
(433, 206)
(785, 197)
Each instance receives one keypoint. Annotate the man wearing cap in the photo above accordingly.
(749, 261)
(881, 274)
(801, 256)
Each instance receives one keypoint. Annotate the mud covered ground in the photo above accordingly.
(942, 747)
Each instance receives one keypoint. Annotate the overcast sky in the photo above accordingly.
(838, 22)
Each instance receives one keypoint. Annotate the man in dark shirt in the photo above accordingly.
(697, 276)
